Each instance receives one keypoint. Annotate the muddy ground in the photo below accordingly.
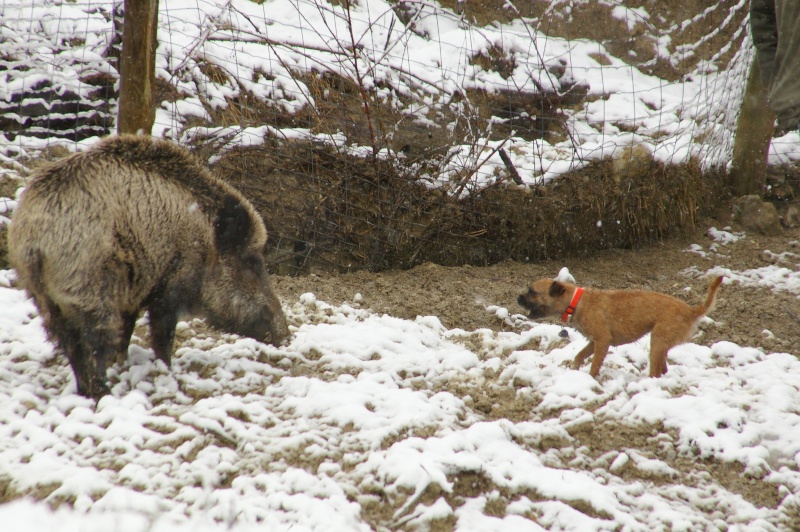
(458, 296)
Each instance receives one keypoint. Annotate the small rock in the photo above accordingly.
(777, 186)
(791, 217)
(757, 215)
(632, 161)
(619, 463)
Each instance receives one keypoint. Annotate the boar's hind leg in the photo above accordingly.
(162, 331)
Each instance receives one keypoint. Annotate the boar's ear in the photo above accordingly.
(556, 289)
(232, 225)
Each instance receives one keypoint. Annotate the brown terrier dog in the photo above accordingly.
(616, 317)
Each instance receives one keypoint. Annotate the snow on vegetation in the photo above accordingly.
(423, 61)
(366, 421)
(418, 58)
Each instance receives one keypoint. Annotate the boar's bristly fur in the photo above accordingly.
(137, 224)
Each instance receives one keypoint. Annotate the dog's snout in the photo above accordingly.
(525, 302)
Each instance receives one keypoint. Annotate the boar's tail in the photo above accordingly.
(31, 264)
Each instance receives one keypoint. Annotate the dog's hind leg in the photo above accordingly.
(661, 342)
(658, 360)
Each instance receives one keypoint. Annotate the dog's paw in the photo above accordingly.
(574, 363)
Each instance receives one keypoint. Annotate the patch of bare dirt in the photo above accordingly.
(458, 295)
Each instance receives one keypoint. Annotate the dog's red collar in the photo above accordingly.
(572, 304)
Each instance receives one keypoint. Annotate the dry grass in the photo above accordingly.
(327, 211)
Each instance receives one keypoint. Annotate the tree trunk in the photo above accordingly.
(752, 140)
(138, 67)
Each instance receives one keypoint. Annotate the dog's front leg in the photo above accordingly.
(600, 352)
(581, 357)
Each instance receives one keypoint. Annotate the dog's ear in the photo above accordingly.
(556, 289)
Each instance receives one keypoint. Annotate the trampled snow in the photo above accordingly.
(364, 412)
(363, 409)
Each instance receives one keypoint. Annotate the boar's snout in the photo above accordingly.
(279, 331)
(238, 296)
(270, 327)
(273, 313)
(256, 314)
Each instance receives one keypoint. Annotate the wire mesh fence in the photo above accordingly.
(378, 133)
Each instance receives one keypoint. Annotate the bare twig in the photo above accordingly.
(510, 166)
(477, 167)
(792, 314)
(360, 80)
(201, 39)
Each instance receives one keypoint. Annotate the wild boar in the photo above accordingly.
(136, 224)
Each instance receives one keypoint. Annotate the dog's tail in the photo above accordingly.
(711, 296)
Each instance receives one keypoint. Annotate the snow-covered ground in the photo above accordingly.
(367, 420)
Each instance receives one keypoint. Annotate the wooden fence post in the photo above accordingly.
(138, 67)
(753, 137)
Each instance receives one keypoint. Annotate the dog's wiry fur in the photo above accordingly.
(615, 317)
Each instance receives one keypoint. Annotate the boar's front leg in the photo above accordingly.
(73, 340)
(128, 324)
(163, 320)
(100, 338)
